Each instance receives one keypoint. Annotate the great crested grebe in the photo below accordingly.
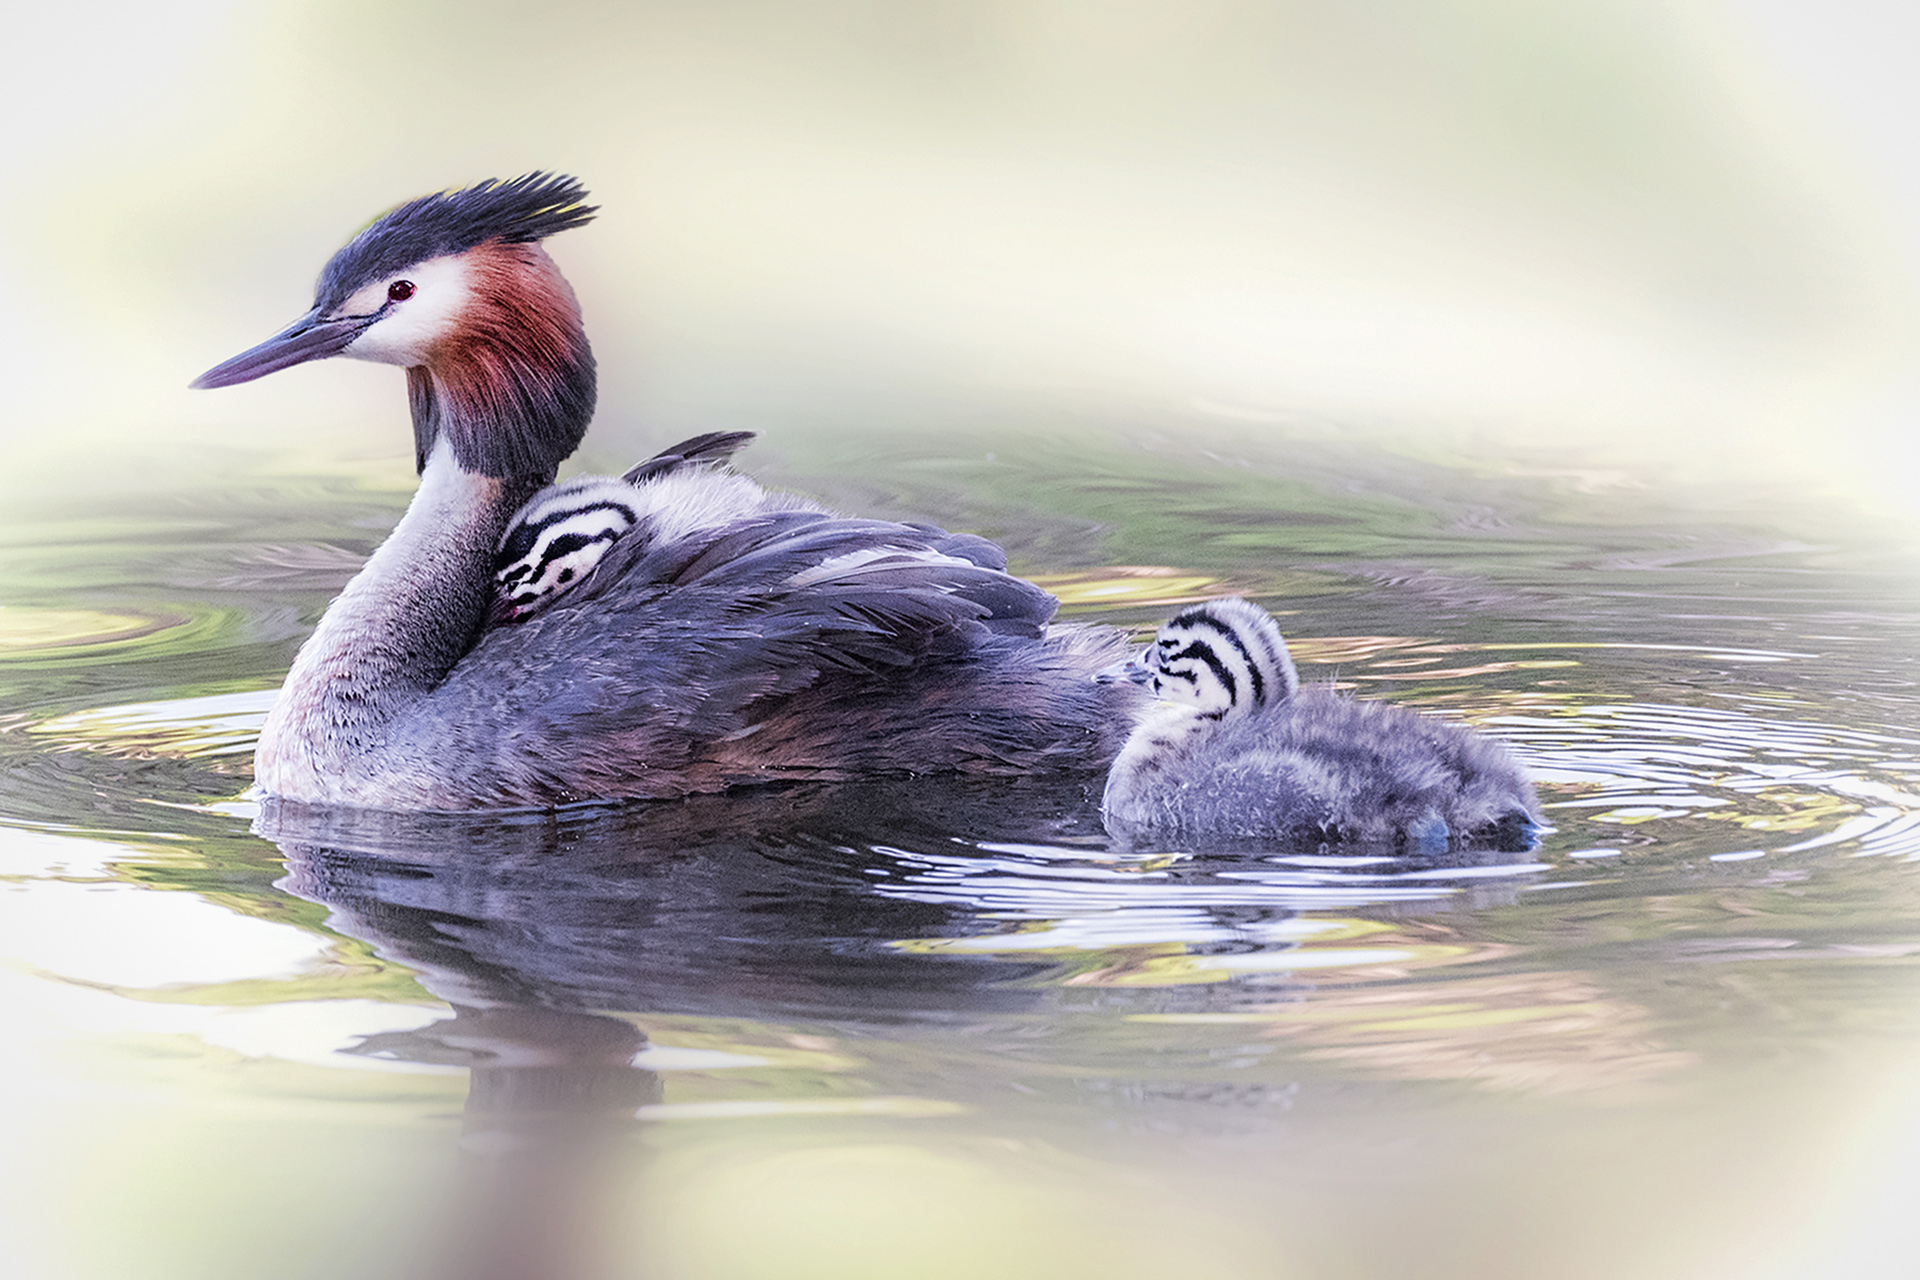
(1243, 750)
(726, 635)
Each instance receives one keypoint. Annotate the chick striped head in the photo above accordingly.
(1225, 657)
(556, 541)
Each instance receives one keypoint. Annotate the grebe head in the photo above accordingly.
(456, 289)
(1225, 657)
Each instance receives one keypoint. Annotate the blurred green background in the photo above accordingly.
(1675, 232)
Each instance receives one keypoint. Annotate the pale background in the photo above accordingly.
(1677, 238)
(1673, 233)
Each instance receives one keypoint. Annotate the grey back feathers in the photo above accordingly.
(1240, 750)
(708, 449)
(733, 635)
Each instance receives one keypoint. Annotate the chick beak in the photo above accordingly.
(311, 337)
(1133, 671)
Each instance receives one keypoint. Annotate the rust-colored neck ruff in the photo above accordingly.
(512, 388)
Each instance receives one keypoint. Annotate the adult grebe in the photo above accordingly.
(1243, 750)
(738, 637)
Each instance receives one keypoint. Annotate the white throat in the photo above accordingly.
(405, 336)
(388, 640)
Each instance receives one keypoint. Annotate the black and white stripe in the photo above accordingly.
(557, 539)
(1226, 657)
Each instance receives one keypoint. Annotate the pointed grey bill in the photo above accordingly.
(309, 338)
(1132, 671)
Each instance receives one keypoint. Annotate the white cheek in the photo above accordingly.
(409, 330)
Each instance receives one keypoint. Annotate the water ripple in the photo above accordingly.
(1636, 763)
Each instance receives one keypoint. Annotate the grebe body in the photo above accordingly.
(688, 631)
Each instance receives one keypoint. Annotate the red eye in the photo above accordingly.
(399, 291)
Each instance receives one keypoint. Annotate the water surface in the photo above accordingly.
(939, 1030)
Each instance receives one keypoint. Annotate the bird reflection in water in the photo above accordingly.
(535, 927)
(787, 906)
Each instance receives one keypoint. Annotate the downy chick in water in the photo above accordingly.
(1238, 748)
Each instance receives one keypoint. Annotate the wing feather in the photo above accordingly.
(702, 628)
(708, 449)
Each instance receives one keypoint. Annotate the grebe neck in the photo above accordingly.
(394, 633)
(511, 386)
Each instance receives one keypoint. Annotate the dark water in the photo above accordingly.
(933, 1030)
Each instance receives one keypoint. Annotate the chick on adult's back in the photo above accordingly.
(1240, 749)
(686, 632)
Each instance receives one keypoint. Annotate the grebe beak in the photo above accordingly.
(311, 337)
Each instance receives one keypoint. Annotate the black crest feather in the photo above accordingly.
(517, 211)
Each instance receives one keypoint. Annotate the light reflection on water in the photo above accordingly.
(855, 1030)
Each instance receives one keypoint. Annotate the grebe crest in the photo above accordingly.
(1239, 749)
